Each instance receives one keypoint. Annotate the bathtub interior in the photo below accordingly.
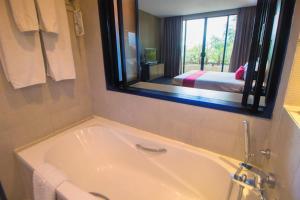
(102, 158)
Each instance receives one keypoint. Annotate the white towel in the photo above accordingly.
(60, 61)
(68, 191)
(20, 52)
(46, 179)
(47, 16)
(25, 15)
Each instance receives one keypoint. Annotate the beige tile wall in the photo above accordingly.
(284, 137)
(286, 159)
(293, 91)
(214, 130)
(34, 112)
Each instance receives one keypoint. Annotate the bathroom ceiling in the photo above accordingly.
(167, 8)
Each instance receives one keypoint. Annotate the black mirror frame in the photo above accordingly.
(111, 58)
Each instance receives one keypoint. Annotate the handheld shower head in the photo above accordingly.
(247, 140)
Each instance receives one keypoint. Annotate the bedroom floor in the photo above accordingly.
(209, 94)
(162, 80)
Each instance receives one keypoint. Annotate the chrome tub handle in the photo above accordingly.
(98, 195)
(143, 148)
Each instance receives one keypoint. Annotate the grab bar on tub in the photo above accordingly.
(143, 148)
(98, 195)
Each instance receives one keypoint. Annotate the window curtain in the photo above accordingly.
(172, 45)
(242, 42)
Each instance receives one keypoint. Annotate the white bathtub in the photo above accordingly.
(100, 156)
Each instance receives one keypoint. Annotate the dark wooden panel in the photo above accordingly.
(260, 51)
(280, 49)
(2, 194)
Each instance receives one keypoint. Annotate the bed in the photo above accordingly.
(220, 81)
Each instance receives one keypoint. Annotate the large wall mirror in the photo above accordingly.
(219, 54)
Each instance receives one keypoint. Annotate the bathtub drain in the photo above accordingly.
(101, 196)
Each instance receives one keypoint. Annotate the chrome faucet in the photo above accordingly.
(259, 183)
(251, 176)
(265, 179)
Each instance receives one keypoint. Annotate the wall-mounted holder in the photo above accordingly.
(266, 153)
(2, 194)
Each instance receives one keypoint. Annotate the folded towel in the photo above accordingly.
(24, 14)
(68, 191)
(60, 61)
(20, 52)
(47, 15)
(46, 179)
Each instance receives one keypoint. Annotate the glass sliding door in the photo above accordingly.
(215, 40)
(230, 41)
(193, 45)
(208, 43)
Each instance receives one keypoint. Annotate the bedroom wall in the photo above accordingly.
(214, 130)
(150, 31)
(32, 113)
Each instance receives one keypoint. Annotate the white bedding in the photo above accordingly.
(220, 81)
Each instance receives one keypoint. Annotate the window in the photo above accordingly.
(193, 44)
(232, 20)
(207, 43)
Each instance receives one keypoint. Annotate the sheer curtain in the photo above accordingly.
(172, 45)
(242, 42)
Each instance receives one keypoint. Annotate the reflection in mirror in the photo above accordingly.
(130, 39)
(185, 44)
(215, 50)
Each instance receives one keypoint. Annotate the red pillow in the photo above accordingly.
(239, 74)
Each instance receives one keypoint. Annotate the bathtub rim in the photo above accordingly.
(33, 155)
